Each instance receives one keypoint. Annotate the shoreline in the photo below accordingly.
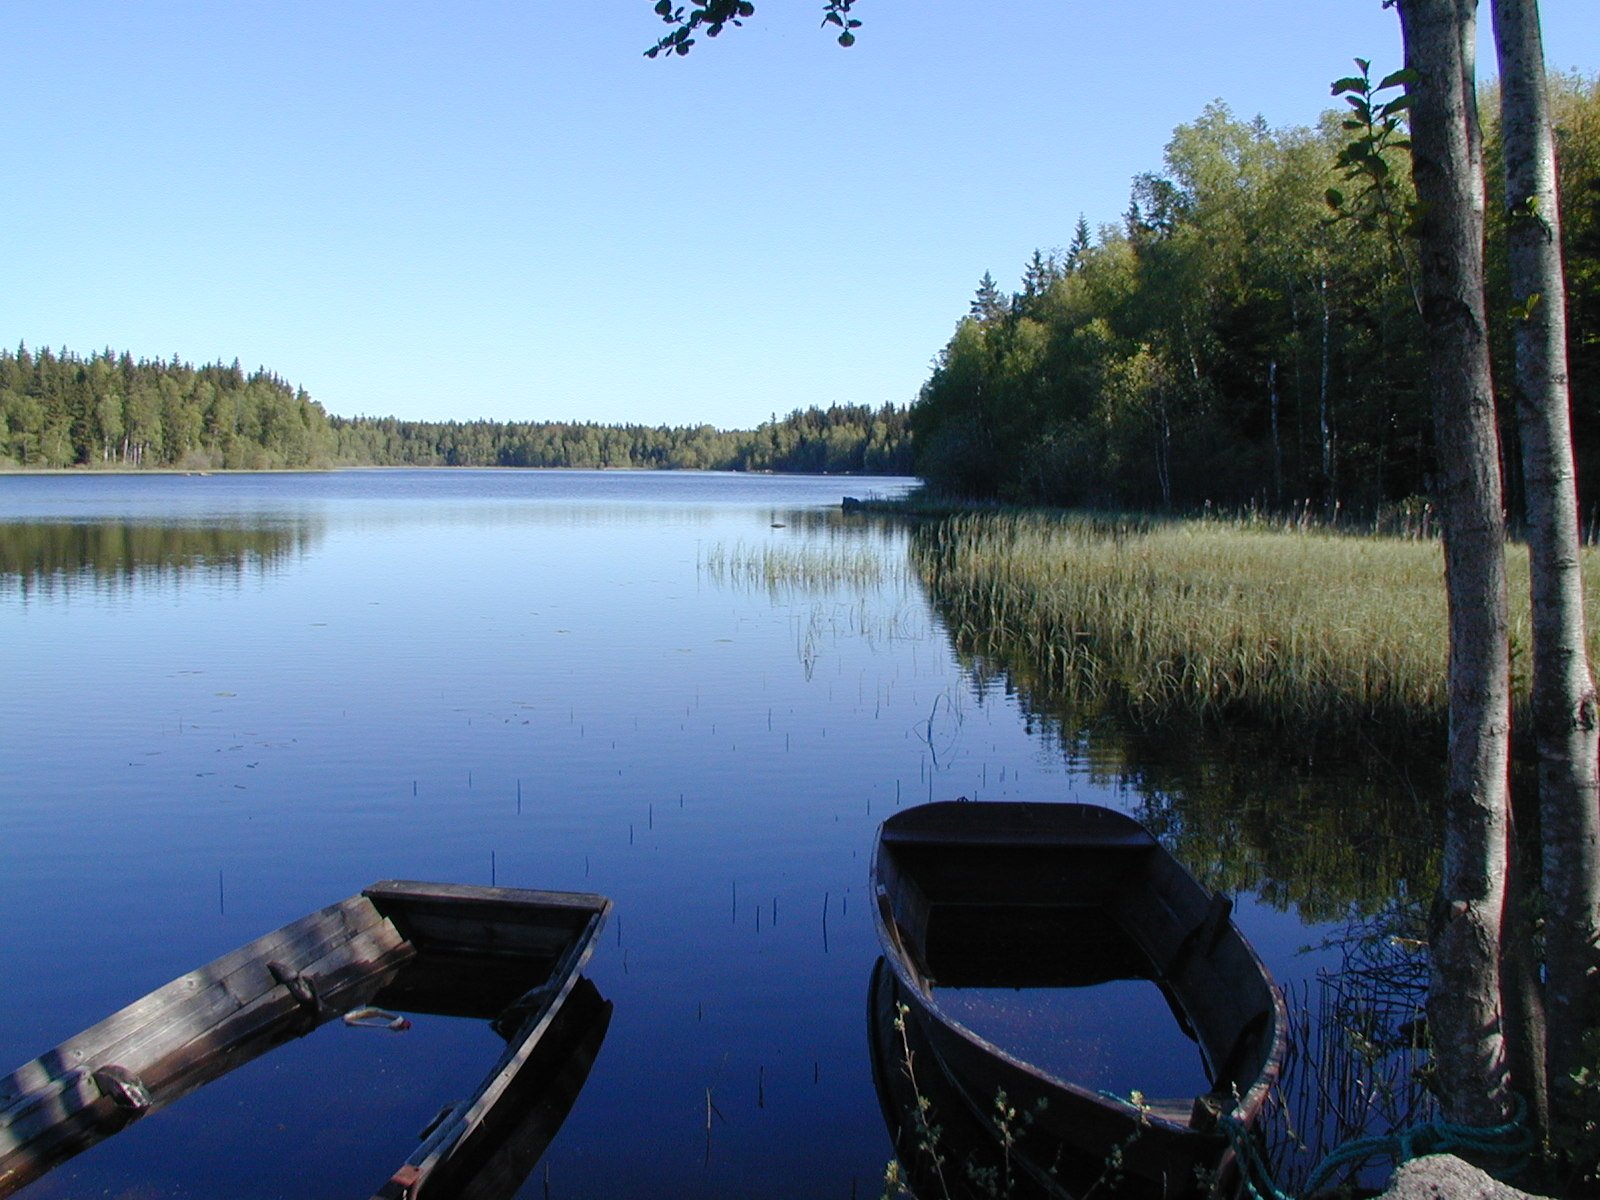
(85, 472)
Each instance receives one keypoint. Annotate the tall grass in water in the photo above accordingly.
(801, 568)
(1208, 618)
(1357, 1062)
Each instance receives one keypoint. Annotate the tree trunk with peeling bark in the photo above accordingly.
(1464, 1005)
(1564, 708)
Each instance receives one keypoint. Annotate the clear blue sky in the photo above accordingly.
(499, 208)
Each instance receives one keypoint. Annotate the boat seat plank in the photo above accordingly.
(519, 903)
(486, 922)
(485, 939)
(1100, 840)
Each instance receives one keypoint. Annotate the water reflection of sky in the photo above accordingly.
(527, 677)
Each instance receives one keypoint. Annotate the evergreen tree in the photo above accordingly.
(1040, 272)
(988, 304)
(1081, 244)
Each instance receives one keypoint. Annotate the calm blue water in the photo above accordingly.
(231, 700)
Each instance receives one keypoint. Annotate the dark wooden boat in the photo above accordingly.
(968, 1161)
(399, 946)
(495, 1159)
(1017, 895)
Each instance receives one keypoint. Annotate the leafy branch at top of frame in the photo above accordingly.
(1377, 127)
(713, 15)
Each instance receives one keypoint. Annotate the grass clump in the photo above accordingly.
(1209, 618)
(804, 568)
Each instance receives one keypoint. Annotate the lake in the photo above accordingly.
(231, 700)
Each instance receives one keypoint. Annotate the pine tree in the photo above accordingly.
(1039, 274)
(989, 304)
(1081, 244)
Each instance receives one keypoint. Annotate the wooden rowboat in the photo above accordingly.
(1020, 895)
(494, 1161)
(397, 945)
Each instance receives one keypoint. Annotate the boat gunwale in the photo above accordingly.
(460, 1125)
(918, 987)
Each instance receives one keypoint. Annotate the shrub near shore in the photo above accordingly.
(1210, 618)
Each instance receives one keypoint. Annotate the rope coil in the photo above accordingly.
(1510, 1143)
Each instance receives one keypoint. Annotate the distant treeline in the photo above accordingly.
(60, 410)
(840, 439)
(1243, 335)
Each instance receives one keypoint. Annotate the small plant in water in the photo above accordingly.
(927, 1133)
(1111, 1176)
(1009, 1123)
(1358, 1063)
(1579, 1143)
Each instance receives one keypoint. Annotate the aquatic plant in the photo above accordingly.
(1272, 623)
(1357, 1062)
(808, 566)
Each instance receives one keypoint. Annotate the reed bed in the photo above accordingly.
(808, 567)
(1209, 617)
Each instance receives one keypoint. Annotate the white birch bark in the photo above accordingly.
(1464, 995)
(1563, 687)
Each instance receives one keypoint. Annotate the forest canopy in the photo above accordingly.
(60, 410)
(1237, 338)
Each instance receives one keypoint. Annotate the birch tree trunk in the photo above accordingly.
(1563, 688)
(1464, 1006)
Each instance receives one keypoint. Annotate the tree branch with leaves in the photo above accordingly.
(714, 16)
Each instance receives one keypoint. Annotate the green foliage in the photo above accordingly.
(841, 439)
(1578, 1141)
(57, 410)
(60, 410)
(715, 14)
(1376, 161)
(1236, 341)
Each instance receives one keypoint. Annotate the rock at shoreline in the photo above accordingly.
(1446, 1177)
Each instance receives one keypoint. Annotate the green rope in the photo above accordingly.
(1511, 1142)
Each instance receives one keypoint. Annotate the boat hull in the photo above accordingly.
(396, 945)
(1063, 896)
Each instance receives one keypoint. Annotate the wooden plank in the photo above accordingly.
(358, 962)
(510, 922)
(411, 893)
(165, 1049)
(1011, 823)
(240, 974)
(486, 938)
(73, 1114)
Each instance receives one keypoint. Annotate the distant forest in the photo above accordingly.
(107, 410)
(1249, 333)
